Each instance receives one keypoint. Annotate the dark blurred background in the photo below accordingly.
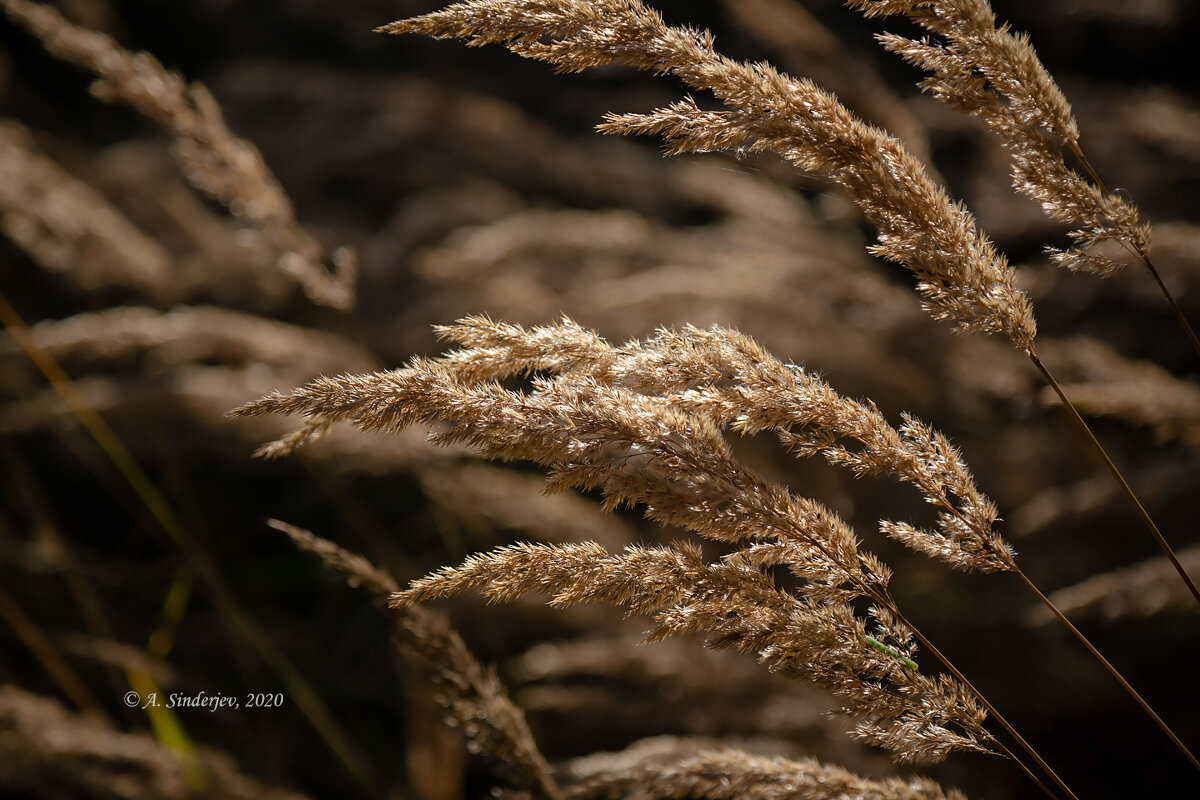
(470, 181)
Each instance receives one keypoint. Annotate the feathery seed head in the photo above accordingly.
(961, 276)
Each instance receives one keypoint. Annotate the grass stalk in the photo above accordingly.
(1116, 473)
(1058, 614)
(884, 599)
(1175, 309)
(995, 713)
(1141, 253)
(1110, 668)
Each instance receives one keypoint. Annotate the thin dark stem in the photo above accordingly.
(1144, 256)
(1111, 669)
(880, 596)
(1010, 755)
(1183, 323)
(991, 709)
(1095, 652)
(1087, 165)
(1083, 426)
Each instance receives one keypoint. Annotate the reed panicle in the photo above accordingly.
(804, 46)
(158, 260)
(643, 422)
(728, 378)
(996, 75)
(962, 278)
(806, 635)
(637, 424)
(986, 70)
(732, 774)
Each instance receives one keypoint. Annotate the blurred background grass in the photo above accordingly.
(469, 181)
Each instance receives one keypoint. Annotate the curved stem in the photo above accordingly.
(1108, 666)
(1116, 473)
